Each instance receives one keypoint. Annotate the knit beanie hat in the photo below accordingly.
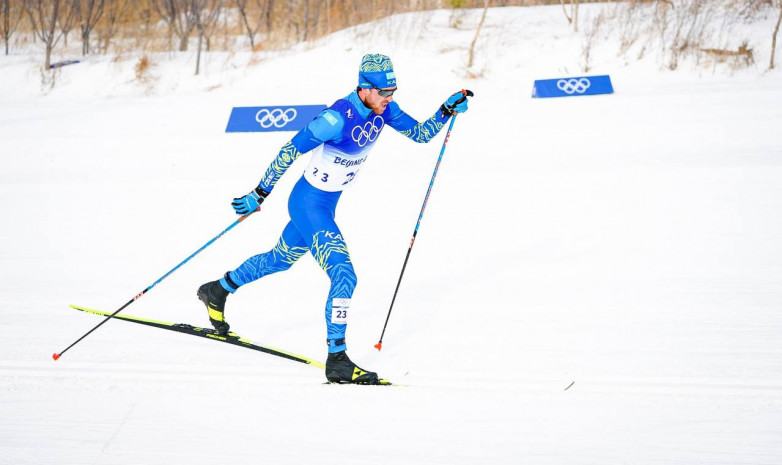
(376, 71)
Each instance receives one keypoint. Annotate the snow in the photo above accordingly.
(629, 244)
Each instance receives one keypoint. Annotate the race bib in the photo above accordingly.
(339, 311)
(334, 166)
(333, 171)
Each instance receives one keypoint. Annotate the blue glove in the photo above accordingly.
(250, 202)
(456, 103)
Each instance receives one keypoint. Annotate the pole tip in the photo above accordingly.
(56, 357)
(379, 345)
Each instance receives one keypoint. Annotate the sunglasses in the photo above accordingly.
(384, 93)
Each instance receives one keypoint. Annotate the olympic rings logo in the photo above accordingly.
(276, 117)
(368, 133)
(573, 86)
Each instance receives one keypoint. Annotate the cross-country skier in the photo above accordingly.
(340, 139)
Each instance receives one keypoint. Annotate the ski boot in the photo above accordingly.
(213, 295)
(340, 369)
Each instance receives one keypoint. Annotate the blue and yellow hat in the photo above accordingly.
(376, 71)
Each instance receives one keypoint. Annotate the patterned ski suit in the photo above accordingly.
(340, 140)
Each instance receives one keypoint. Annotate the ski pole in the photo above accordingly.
(379, 344)
(56, 356)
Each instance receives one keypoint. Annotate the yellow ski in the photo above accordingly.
(209, 333)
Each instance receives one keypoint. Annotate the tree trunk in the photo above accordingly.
(250, 33)
(206, 15)
(774, 37)
(6, 23)
(48, 62)
(198, 54)
(477, 31)
(47, 31)
(574, 4)
(564, 10)
(268, 12)
(306, 21)
(328, 16)
(89, 15)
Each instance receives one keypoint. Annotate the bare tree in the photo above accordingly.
(303, 17)
(311, 17)
(206, 14)
(45, 15)
(145, 14)
(67, 20)
(774, 36)
(89, 13)
(477, 31)
(114, 14)
(291, 8)
(572, 18)
(253, 22)
(6, 5)
(574, 5)
(181, 17)
(12, 15)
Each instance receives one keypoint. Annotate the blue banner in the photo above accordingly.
(60, 64)
(280, 118)
(568, 87)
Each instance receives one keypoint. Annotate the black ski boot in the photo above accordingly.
(213, 295)
(340, 369)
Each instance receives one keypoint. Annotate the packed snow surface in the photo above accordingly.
(627, 245)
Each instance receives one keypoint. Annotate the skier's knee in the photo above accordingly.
(343, 276)
(285, 256)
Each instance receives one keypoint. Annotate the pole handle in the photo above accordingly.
(465, 93)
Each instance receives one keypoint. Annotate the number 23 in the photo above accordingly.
(325, 177)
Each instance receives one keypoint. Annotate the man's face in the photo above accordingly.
(376, 102)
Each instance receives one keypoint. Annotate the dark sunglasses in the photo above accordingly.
(384, 93)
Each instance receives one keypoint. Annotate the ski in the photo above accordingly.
(209, 333)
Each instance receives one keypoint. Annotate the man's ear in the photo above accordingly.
(361, 93)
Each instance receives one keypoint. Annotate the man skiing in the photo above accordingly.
(340, 139)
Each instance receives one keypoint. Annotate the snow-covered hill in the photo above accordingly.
(627, 243)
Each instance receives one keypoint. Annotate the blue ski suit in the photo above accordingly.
(340, 139)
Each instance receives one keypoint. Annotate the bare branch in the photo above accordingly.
(477, 31)
(774, 36)
(44, 16)
(206, 13)
(89, 13)
(12, 13)
(252, 22)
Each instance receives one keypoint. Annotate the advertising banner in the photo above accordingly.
(572, 86)
(265, 119)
